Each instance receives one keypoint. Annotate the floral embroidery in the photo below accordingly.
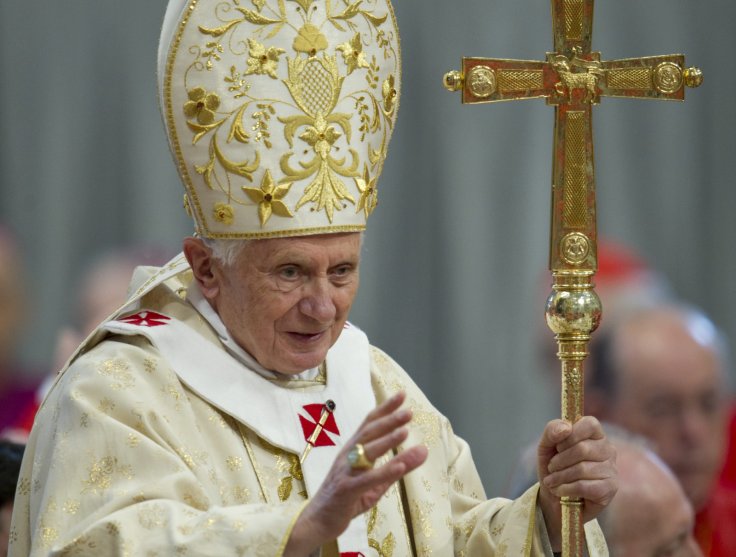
(269, 198)
(262, 60)
(352, 53)
(368, 193)
(201, 105)
(224, 213)
(389, 95)
(310, 40)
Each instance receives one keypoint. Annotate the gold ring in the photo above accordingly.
(357, 458)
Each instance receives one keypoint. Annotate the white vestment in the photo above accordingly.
(146, 447)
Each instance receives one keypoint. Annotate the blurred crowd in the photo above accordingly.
(659, 377)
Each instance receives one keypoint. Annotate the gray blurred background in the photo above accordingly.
(454, 281)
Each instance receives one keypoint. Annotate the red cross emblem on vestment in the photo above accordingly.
(146, 319)
(309, 425)
(351, 554)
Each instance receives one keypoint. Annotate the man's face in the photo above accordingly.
(670, 390)
(286, 300)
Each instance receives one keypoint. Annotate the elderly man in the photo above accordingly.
(661, 373)
(230, 408)
(650, 515)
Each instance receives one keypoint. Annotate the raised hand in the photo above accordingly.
(349, 491)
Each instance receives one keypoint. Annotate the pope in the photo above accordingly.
(230, 407)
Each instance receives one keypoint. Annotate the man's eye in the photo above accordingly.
(289, 273)
(342, 272)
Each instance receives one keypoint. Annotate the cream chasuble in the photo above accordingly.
(155, 441)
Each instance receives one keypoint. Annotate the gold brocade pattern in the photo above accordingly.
(102, 473)
(384, 548)
(286, 463)
(118, 372)
(428, 423)
(422, 513)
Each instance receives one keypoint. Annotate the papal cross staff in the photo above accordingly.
(572, 79)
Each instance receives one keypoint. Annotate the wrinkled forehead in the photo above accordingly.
(327, 243)
(323, 249)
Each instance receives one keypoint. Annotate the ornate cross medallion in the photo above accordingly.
(572, 79)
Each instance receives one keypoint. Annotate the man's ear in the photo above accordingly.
(202, 263)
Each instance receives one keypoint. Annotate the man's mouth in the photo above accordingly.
(306, 337)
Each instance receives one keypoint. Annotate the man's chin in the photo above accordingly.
(293, 363)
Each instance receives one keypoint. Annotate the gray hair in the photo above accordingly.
(225, 251)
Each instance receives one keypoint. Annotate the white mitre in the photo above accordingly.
(279, 112)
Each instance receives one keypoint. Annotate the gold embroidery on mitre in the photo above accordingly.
(262, 60)
(310, 40)
(368, 193)
(315, 84)
(224, 213)
(269, 198)
(297, 77)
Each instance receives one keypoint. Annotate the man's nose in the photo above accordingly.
(317, 302)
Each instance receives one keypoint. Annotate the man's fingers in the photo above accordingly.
(595, 451)
(598, 492)
(587, 427)
(393, 470)
(554, 433)
(383, 425)
(580, 471)
(376, 449)
(386, 407)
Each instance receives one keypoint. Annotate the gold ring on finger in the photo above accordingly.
(358, 459)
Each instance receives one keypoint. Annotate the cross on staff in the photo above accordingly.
(572, 79)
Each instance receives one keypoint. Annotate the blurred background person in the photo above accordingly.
(17, 384)
(662, 373)
(101, 290)
(650, 515)
(11, 455)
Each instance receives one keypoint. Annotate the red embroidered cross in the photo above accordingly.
(308, 426)
(146, 319)
(351, 554)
